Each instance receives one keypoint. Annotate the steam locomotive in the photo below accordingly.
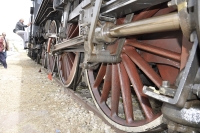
(139, 58)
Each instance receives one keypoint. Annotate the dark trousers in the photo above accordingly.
(3, 59)
(5, 54)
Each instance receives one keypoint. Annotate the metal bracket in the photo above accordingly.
(185, 83)
(95, 16)
(111, 58)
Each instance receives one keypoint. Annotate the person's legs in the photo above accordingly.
(3, 59)
(23, 35)
(5, 54)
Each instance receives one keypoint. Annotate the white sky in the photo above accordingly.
(10, 13)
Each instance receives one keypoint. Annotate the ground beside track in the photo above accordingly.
(31, 103)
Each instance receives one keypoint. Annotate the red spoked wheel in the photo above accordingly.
(67, 67)
(146, 60)
(51, 58)
(117, 92)
(68, 62)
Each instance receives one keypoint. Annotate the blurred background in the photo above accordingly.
(10, 13)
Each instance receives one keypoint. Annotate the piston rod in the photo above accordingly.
(162, 23)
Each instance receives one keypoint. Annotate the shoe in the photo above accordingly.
(25, 47)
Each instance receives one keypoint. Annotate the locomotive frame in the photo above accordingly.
(139, 57)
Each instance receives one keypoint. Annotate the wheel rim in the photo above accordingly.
(51, 59)
(67, 62)
(50, 62)
(67, 67)
(115, 86)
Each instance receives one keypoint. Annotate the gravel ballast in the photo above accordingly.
(31, 103)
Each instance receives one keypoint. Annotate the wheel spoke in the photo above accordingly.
(67, 63)
(137, 85)
(107, 83)
(126, 93)
(72, 27)
(71, 58)
(143, 65)
(59, 60)
(67, 67)
(75, 32)
(69, 30)
(115, 90)
(100, 76)
(156, 50)
(145, 14)
(64, 66)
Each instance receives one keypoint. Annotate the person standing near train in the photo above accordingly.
(6, 47)
(20, 30)
(2, 56)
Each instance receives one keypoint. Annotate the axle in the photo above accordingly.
(167, 22)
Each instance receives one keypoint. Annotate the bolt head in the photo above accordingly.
(166, 84)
